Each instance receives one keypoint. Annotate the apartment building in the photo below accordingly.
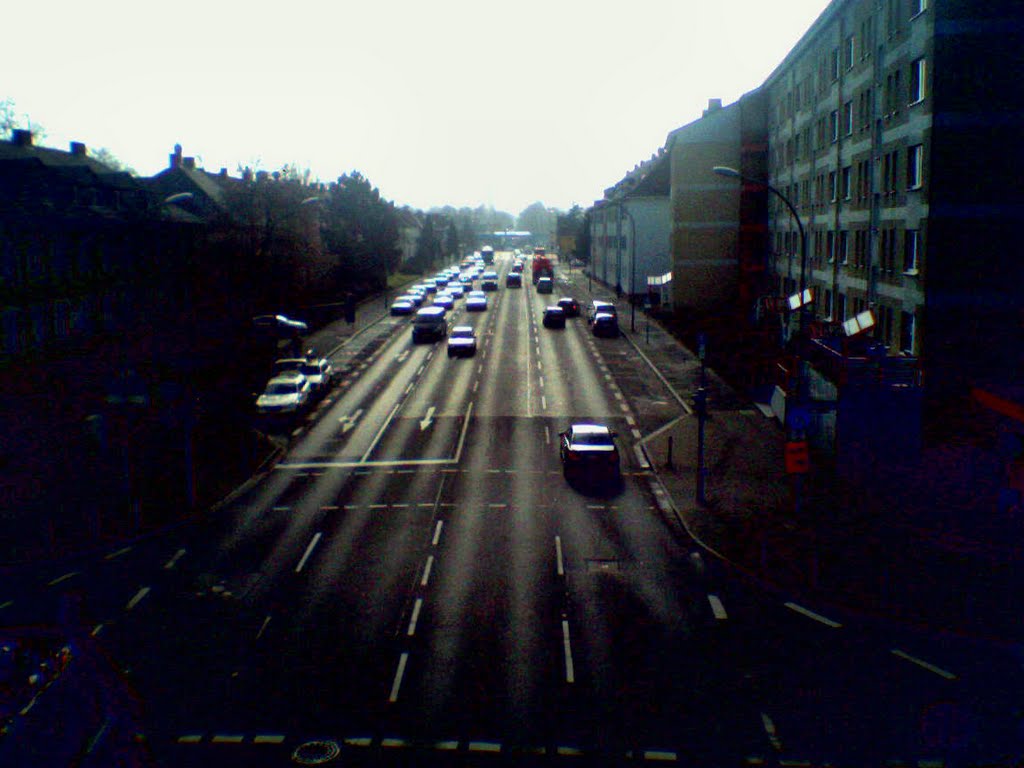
(894, 129)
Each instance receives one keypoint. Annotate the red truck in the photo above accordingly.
(542, 266)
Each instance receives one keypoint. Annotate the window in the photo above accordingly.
(848, 118)
(915, 170)
(911, 250)
(832, 188)
(840, 307)
(889, 164)
(892, 93)
(848, 50)
(907, 333)
(828, 304)
(830, 246)
(846, 184)
(866, 106)
(844, 246)
(833, 125)
(867, 36)
(835, 64)
(883, 331)
(918, 80)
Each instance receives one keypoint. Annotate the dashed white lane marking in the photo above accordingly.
(924, 664)
(480, 368)
(636, 434)
(96, 630)
(138, 598)
(543, 403)
(437, 532)
(446, 746)
(426, 570)
(394, 743)
(169, 565)
(631, 421)
(359, 741)
(812, 615)
(484, 746)
(542, 382)
(378, 506)
(618, 395)
(280, 509)
(399, 674)
(624, 407)
(421, 369)
(190, 738)
(476, 386)
(309, 551)
(717, 608)
(263, 628)
(547, 435)
(540, 366)
(329, 508)
(227, 738)
(497, 506)
(415, 616)
(268, 738)
(409, 387)
(114, 555)
(570, 675)
(769, 728)
(65, 577)
(660, 756)
(558, 556)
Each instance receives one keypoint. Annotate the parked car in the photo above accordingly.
(462, 341)
(601, 307)
(280, 325)
(605, 325)
(320, 374)
(554, 317)
(429, 324)
(570, 305)
(545, 285)
(589, 450)
(476, 301)
(285, 394)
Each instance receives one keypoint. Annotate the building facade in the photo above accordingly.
(893, 128)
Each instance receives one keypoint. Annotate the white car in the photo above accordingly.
(319, 373)
(476, 301)
(462, 341)
(287, 393)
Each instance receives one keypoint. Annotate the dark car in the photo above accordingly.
(590, 450)
(554, 317)
(280, 325)
(513, 280)
(605, 325)
(570, 305)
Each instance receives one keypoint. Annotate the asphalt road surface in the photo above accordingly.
(415, 582)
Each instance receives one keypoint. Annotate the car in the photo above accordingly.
(429, 324)
(288, 365)
(476, 301)
(284, 394)
(444, 299)
(545, 285)
(319, 372)
(570, 305)
(280, 325)
(403, 306)
(517, 267)
(456, 290)
(601, 307)
(462, 341)
(489, 281)
(590, 450)
(414, 296)
(554, 317)
(513, 280)
(605, 325)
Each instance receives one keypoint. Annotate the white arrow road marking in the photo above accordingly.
(349, 422)
(427, 420)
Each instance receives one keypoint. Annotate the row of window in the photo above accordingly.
(829, 128)
(898, 249)
(854, 48)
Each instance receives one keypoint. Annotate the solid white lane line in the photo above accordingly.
(399, 674)
(119, 552)
(137, 599)
(309, 551)
(769, 728)
(380, 432)
(558, 556)
(924, 664)
(570, 675)
(426, 571)
(65, 577)
(462, 436)
(169, 565)
(717, 608)
(415, 616)
(437, 532)
(812, 615)
(263, 628)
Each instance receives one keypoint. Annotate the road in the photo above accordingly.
(416, 583)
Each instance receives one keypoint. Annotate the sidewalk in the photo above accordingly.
(885, 550)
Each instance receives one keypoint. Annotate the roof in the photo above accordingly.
(590, 429)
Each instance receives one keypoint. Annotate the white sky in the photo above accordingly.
(437, 102)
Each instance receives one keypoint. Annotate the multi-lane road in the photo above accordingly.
(415, 582)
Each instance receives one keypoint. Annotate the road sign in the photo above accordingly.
(798, 461)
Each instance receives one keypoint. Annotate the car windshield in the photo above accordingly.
(592, 438)
(311, 369)
(282, 388)
(462, 333)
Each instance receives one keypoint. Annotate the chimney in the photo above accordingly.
(189, 163)
(713, 106)
(21, 137)
(247, 175)
(78, 149)
(176, 157)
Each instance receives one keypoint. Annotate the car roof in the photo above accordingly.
(590, 429)
(431, 310)
(462, 329)
(288, 378)
(554, 310)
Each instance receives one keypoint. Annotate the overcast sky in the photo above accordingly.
(457, 102)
